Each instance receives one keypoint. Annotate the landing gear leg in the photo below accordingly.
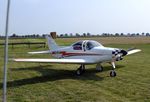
(99, 68)
(80, 70)
(112, 72)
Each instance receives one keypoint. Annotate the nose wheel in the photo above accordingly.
(80, 70)
(112, 72)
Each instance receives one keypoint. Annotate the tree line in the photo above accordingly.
(71, 35)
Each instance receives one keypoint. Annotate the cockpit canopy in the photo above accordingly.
(86, 45)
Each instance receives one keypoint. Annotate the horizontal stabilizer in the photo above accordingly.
(67, 61)
(40, 52)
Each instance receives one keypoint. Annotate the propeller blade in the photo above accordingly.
(133, 51)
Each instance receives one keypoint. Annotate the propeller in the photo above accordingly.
(119, 53)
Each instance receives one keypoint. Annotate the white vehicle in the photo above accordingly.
(82, 52)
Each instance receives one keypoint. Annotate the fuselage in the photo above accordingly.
(87, 49)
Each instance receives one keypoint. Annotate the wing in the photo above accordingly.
(132, 51)
(40, 52)
(67, 61)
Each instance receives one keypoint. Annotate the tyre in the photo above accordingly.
(78, 72)
(99, 68)
(113, 73)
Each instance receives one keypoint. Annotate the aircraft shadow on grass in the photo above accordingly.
(48, 74)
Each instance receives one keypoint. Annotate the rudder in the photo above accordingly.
(51, 43)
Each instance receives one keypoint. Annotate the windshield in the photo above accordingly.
(92, 44)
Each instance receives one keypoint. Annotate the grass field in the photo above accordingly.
(45, 82)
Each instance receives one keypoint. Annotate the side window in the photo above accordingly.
(89, 46)
(77, 46)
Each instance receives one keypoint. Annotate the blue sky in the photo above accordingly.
(76, 16)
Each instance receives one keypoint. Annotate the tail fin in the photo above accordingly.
(51, 43)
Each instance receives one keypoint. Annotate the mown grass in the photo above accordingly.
(36, 82)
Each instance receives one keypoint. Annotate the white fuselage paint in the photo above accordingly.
(97, 54)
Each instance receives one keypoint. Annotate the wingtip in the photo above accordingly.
(11, 59)
(31, 53)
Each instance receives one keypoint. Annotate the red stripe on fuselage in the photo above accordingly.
(65, 54)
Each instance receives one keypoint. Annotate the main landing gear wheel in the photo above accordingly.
(99, 68)
(113, 73)
(80, 70)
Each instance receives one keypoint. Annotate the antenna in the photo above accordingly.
(6, 53)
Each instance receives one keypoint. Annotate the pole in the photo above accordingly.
(6, 53)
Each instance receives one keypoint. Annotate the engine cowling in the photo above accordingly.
(118, 54)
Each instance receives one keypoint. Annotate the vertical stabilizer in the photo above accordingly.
(51, 43)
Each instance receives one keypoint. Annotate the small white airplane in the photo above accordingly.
(82, 52)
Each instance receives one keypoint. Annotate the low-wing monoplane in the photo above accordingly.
(83, 53)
